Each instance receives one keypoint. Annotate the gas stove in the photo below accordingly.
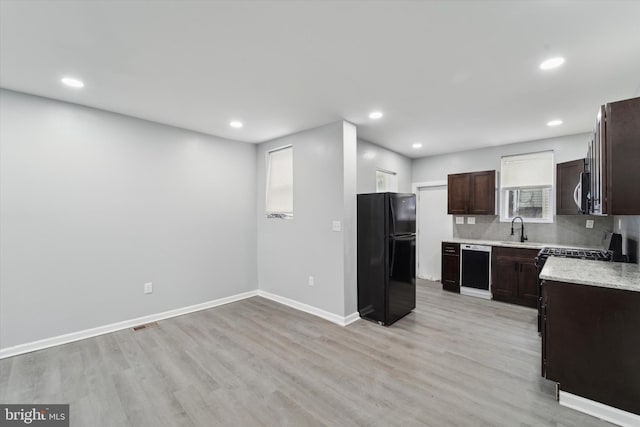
(590, 254)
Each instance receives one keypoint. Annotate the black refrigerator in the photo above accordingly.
(386, 256)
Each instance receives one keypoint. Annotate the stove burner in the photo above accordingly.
(592, 254)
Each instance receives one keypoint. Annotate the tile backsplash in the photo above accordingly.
(565, 230)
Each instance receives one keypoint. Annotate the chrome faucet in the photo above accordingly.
(522, 236)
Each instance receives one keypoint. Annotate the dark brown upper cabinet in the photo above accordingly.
(472, 193)
(568, 179)
(614, 158)
(622, 138)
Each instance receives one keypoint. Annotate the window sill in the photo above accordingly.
(279, 216)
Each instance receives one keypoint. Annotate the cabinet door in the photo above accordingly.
(590, 351)
(483, 193)
(543, 330)
(505, 278)
(528, 284)
(620, 170)
(451, 266)
(451, 273)
(567, 179)
(458, 193)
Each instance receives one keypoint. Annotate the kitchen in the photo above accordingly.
(141, 198)
(504, 261)
(579, 343)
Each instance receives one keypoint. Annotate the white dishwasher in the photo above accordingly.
(475, 269)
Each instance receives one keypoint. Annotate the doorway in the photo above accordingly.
(434, 226)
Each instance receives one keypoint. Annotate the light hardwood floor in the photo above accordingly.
(455, 360)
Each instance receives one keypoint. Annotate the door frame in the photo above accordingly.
(415, 189)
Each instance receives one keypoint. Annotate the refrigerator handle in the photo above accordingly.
(393, 216)
(577, 194)
(392, 257)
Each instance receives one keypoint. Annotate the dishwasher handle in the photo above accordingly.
(478, 248)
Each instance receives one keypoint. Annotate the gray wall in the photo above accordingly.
(94, 204)
(436, 168)
(629, 227)
(372, 157)
(291, 250)
(349, 224)
(567, 230)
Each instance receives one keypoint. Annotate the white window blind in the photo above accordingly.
(527, 170)
(386, 181)
(526, 182)
(279, 198)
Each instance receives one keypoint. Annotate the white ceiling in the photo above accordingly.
(452, 75)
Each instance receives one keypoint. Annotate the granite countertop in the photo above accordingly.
(513, 244)
(614, 275)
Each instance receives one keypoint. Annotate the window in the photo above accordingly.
(386, 181)
(279, 197)
(526, 185)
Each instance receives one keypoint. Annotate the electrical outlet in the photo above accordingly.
(337, 226)
(148, 288)
(471, 220)
(459, 220)
(311, 281)
(589, 223)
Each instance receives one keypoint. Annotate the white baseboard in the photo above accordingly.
(113, 327)
(597, 409)
(331, 317)
(351, 318)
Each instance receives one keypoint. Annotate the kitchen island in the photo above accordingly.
(591, 336)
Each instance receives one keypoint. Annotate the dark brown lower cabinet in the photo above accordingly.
(514, 277)
(591, 342)
(451, 267)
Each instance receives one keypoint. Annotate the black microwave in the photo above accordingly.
(594, 166)
(582, 193)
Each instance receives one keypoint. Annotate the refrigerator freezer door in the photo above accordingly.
(402, 213)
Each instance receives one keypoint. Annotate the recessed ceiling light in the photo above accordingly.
(417, 145)
(552, 63)
(71, 82)
(554, 123)
(375, 115)
(236, 124)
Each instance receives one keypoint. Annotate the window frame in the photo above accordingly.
(390, 174)
(268, 166)
(503, 199)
